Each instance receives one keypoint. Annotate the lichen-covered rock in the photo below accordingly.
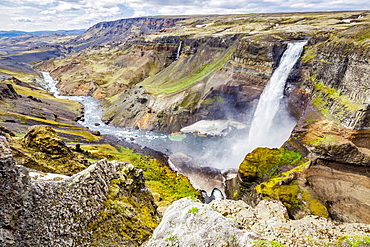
(191, 223)
(104, 205)
(44, 150)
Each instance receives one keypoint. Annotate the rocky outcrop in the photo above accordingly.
(42, 149)
(234, 223)
(343, 188)
(269, 220)
(7, 92)
(106, 204)
(339, 171)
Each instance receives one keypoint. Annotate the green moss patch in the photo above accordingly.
(185, 73)
(42, 149)
(266, 161)
(129, 216)
(262, 243)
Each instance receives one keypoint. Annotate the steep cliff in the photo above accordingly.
(106, 204)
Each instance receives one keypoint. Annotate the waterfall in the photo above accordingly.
(178, 51)
(268, 128)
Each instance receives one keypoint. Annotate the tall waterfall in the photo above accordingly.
(268, 129)
(272, 123)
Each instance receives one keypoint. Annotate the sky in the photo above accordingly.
(34, 15)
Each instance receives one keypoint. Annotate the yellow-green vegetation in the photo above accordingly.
(266, 161)
(168, 82)
(20, 75)
(326, 140)
(193, 210)
(128, 217)
(70, 104)
(266, 164)
(354, 241)
(263, 243)
(79, 132)
(210, 101)
(159, 177)
(308, 54)
(325, 97)
(291, 195)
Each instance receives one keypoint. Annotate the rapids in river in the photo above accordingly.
(270, 127)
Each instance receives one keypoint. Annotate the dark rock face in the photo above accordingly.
(7, 92)
(106, 204)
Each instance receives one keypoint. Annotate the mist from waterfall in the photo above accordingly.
(272, 123)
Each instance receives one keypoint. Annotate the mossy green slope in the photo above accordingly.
(188, 71)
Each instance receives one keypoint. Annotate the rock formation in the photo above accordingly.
(234, 223)
(44, 150)
(106, 204)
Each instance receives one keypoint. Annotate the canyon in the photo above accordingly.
(200, 78)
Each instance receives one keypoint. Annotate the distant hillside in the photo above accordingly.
(15, 33)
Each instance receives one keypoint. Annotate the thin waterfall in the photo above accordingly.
(178, 51)
(265, 131)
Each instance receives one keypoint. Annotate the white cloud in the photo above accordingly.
(22, 19)
(69, 14)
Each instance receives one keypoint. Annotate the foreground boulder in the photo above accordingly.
(269, 220)
(191, 223)
(104, 205)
